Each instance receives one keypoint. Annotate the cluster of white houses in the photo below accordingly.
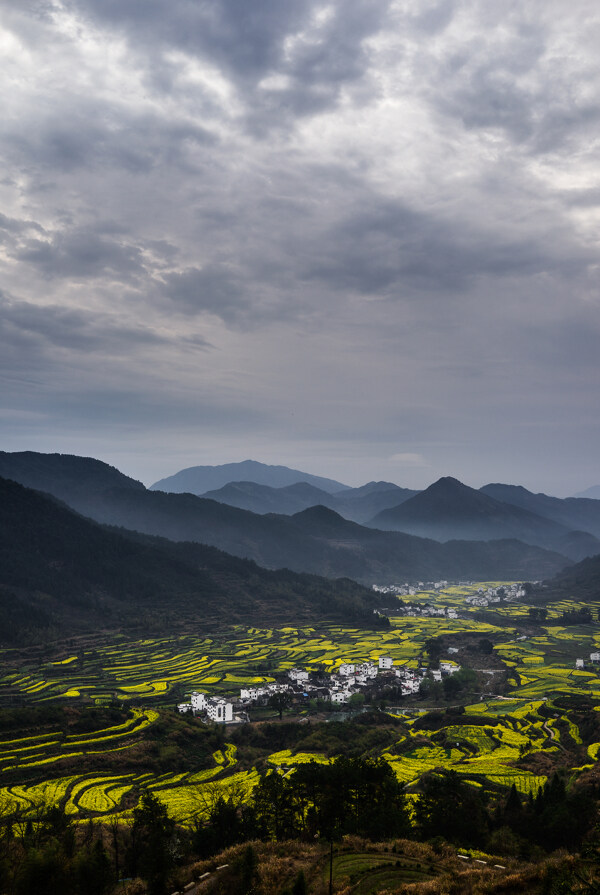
(484, 596)
(336, 687)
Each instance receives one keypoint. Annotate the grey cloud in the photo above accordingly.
(81, 253)
(210, 289)
(76, 330)
(384, 246)
(249, 42)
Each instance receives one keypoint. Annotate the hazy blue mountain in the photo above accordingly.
(580, 581)
(61, 571)
(317, 541)
(592, 493)
(361, 504)
(200, 479)
(448, 509)
(574, 512)
(70, 478)
(264, 499)
(357, 504)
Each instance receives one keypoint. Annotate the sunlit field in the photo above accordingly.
(486, 744)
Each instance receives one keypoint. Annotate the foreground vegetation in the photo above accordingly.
(500, 759)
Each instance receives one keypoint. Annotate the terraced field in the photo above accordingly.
(150, 674)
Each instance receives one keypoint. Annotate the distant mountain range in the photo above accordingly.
(593, 493)
(59, 571)
(448, 510)
(316, 540)
(356, 504)
(200, 479)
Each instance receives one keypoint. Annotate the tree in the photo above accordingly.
(450, 808)
(153, 843)
(280, 701)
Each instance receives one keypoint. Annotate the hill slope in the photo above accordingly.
(58, 569)
(311, 542)
(200, 479)
(577, 513)
(357, 504)
(449, 510)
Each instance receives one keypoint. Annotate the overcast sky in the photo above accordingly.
(358, 237)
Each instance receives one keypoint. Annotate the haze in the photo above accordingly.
(356, 238)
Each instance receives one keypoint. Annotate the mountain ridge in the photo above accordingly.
(450, 510)
(200, 479)
(333, 547)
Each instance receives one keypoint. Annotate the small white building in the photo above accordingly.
(436, 674)
(250, 694)
(184, 707)
(297, 674)
(219, 710)
(385, 663)
(198, 701)
(595, 657)
(449, 667)
(346, 668)
(338, 697)
(579, 663)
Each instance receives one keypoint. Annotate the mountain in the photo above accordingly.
(265, 499)
(59, 570)
(577, 513)
(200, 479)
(70, 478)
(592, 493)
(357, 504)
(450, 510)
(580, 581)
(316, 540)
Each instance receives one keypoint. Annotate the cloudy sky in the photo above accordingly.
(358, 237)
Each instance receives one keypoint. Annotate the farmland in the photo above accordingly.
(515, 736)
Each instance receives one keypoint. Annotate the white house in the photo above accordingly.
(595, 657)
(198, 701)
(346, 668)
(338, 696)
(449, 667)
(297, 674)
(436, 674)
(219, 710)
(385, 663)
(579, 663)
(184, 707)
(252, 693)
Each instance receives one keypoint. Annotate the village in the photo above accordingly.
(300, 686)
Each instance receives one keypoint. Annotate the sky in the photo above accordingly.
(359, 237)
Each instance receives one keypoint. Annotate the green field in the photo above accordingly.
(486, 745)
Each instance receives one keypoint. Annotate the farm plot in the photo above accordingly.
(187, 795)
(150, 669)
(480, 753)
(45, 749)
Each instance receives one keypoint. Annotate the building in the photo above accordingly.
(346, 668)
(219, 710)
(198, 701)
(385, 663)
(297, 674)
(184, 707)
(338, 696)
(579, 663)
(449, 667)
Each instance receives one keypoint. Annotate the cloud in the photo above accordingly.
(321, 222)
